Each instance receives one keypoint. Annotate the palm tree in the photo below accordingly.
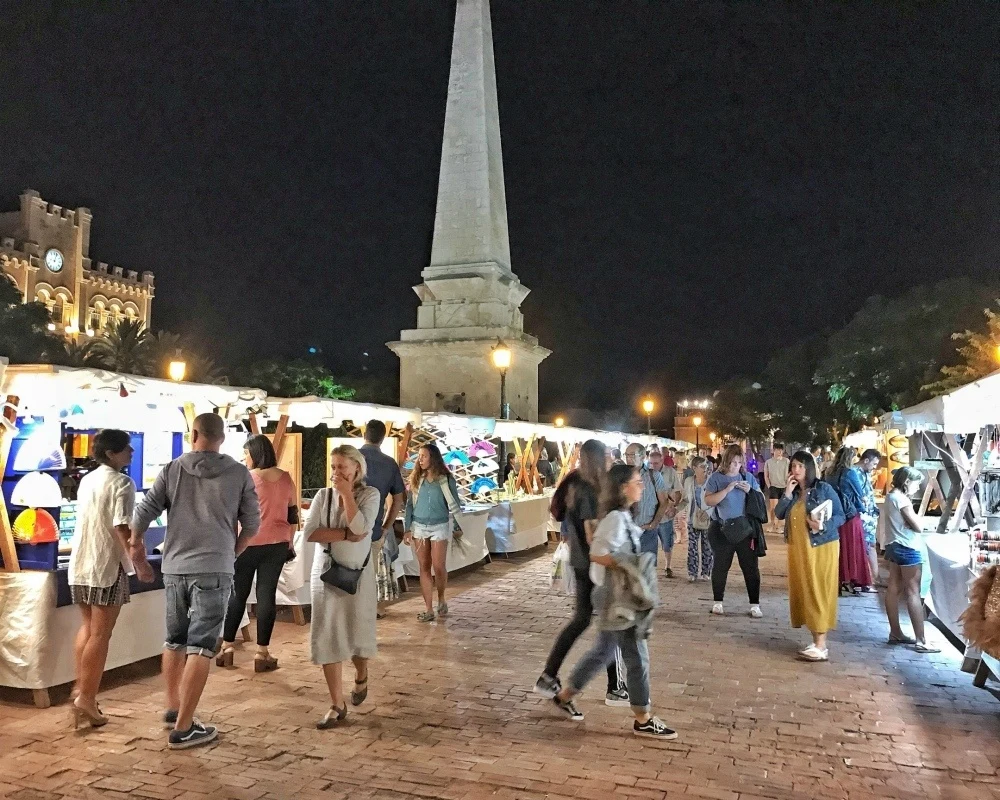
(78, 353)
(126, 346)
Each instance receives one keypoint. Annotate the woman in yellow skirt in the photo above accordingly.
(813, 513)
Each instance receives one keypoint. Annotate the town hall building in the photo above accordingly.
(45, 251)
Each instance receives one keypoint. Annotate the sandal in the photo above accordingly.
(332, 718)
(264, 664)
(908, 640)
(923, 647)
(225, 657)
(813, 653)
(358, 696)
(426, 616)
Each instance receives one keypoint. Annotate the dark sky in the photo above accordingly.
(690, 185)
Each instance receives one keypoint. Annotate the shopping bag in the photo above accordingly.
(561, 576)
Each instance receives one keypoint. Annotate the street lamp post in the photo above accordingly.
(501, 360)
(648, 406)
(697, 442)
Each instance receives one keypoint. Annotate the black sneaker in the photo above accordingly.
(617, 699)
(568, 708)
(169, 719)
(653, 729)
(197, 734)
(547, 687)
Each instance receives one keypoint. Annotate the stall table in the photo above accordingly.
(38, 628)
(467, 551)
(518, 525)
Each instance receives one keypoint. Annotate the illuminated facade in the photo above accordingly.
(45, 248)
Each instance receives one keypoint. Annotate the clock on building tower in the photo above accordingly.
(54, 260)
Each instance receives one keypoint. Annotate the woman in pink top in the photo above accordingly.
(267, 553)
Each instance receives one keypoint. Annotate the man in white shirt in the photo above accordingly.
(776, 479)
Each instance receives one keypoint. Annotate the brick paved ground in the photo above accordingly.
(451, 715)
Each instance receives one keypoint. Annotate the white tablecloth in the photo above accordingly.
(948, 558)
(518, 525)
(467, 552)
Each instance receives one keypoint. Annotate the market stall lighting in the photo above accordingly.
(560, 422)
(72, 330)
(177, 370)
(711, 436)
(52, 326)
(90, 332)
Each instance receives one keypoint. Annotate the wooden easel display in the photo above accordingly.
(7, 550)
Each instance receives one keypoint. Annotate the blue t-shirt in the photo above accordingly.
(382, 473)
(733, 504)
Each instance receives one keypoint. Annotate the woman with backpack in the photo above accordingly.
(428, 522)
(575, 505)
(699, 561)
(615, 552)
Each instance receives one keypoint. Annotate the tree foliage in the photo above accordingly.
(24, 328)
(894, 346)
(299, 378)
(739, 411)
(979, 356)
(126, 346)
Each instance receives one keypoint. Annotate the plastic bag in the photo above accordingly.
(561, 578)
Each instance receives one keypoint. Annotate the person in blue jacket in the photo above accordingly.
(428, 524)
(813, 514)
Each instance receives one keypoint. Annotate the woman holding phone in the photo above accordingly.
(813, 514)
(726, 494)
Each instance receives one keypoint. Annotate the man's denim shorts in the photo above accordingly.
(196, 609)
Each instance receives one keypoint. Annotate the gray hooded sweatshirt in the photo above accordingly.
(206, 496)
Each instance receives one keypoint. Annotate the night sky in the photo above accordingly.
(690, 186)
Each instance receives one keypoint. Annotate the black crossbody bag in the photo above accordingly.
(337, 575)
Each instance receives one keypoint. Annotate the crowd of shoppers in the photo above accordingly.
(231, 527)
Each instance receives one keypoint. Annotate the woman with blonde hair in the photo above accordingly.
(344, 601)
(428, 523)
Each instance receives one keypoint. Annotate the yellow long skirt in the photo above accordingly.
(812, 576)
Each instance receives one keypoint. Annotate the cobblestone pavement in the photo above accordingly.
(451, 714)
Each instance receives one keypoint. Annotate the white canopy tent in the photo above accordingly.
(967, 409)
(100, 398)
(312, 411)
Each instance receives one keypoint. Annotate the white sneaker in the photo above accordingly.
(755, 612)
(691, 579)
(717, 609)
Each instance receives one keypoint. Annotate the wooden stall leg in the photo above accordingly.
(979, 681)
(298, 615)
(42, 699)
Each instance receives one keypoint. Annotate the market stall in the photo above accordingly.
(52, 414)
(350, 418)
(955, 440)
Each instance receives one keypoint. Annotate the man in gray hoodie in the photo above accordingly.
(212, 515)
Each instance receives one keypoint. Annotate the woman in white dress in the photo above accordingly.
(340, 521)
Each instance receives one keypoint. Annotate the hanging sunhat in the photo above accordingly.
(485, 466)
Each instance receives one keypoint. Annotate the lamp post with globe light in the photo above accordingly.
(648, 406)
(696, 421)
(501, 357)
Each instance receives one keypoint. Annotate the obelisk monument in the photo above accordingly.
(470, 298)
